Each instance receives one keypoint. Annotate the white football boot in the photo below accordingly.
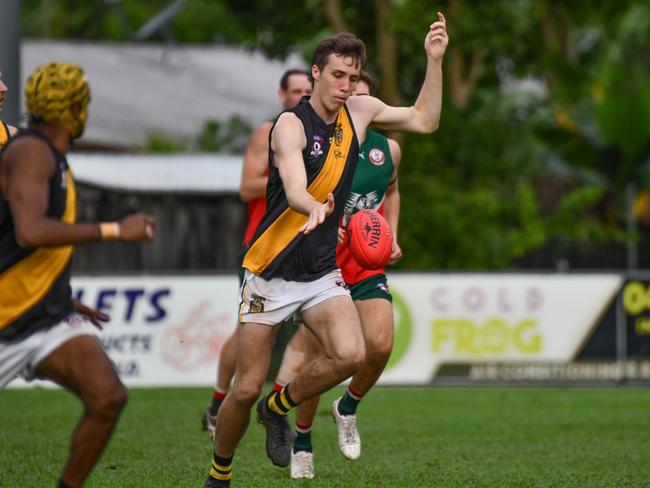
(209, 423)
(349, 440)
(302, 465)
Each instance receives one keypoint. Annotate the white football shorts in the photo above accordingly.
(273, 301)
(23, 357)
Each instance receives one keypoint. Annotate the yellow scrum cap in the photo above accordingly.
(50, 92)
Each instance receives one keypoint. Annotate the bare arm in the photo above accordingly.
(424, 116)
(27, 168)
(12, 130)
(256, 160)
(392, 202)
(287, 143)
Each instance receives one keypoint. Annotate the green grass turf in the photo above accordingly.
(412, 438)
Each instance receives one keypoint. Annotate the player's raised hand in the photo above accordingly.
(137, 227)
(318, 215)
(436, 41)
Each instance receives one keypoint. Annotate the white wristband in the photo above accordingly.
(110, 231)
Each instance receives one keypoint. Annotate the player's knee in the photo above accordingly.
(357, 359)
(118, 399)
(348, 361)
(245, 393)
(378, 348)
(109, 404)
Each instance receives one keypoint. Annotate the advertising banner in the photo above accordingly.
(447, 319)
(636, 305)
(164, 330)
(169, 330)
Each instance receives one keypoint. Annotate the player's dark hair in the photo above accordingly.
(341, 44)
(284, 81)
(368, 80)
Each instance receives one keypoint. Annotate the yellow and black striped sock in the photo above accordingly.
(280, 402)
(221, 468)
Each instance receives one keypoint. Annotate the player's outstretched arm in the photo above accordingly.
(27, 167)
(287, 143)
(256, 160)
(424, 116)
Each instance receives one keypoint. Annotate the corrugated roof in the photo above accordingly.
(139, 89)
(159, 173)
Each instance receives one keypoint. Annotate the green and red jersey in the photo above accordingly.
(369, 185)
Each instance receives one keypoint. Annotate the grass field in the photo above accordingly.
(411, 437)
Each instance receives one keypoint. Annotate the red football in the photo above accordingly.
(369, 239)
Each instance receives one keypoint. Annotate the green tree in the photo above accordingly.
(545, 117)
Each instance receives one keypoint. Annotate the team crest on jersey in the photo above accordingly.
(256, 304)
(338, 134)
(317, 146)
(377, 156)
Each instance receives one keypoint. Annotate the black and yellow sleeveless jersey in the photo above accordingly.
(35, 283)
(4, 134)
(278, 248)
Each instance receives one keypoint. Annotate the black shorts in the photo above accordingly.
(373, 287)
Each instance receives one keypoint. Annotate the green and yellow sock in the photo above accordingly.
(280, 402)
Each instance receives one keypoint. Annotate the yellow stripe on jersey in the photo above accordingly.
(4, 134)
(285, 228)
(28, 281)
